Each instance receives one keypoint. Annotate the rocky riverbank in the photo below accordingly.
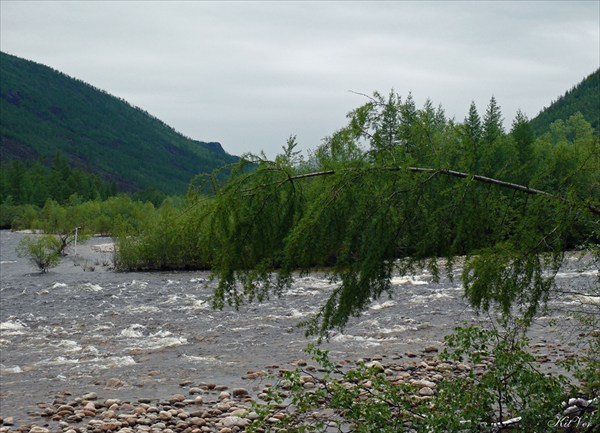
(209, 407)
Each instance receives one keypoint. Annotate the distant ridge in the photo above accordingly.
(43, 111)
(584, 98)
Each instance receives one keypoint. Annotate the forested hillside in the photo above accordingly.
(30, 182)
(43, 111)
(583, 98)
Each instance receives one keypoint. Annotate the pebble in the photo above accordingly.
(239, 392)
(424, 383)
(164, 415)
(115, 383)
(90, 396)
(177, 398)
(426, 391)
(109, 402)
(234, 421)
(375, 365)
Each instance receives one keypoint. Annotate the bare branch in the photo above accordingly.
(454, 173)
(366, 96)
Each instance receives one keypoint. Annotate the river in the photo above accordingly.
(83, 328)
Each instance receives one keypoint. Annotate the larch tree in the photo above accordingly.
(375, 200)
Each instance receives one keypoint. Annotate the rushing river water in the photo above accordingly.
(131, 335)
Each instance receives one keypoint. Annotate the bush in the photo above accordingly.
(167, 238)
(43, 251)
(487, 382)
(504, 382)
(18, 217)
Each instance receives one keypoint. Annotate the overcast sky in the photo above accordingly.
(249, 74)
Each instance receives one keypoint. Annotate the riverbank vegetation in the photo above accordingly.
(103, 217)
(57, 198)
(43, 252)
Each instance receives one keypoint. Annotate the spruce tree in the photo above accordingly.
(473, 133)
(492, 122)
(523, 134)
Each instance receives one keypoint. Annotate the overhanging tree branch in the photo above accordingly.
(452, 173)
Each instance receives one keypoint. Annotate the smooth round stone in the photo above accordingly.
(426, 391)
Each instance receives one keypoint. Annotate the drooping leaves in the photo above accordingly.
(377, 199)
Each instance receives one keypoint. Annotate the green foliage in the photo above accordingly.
(378, 198)
(492, 123)
(32, 183)
(42, 251)
(118, 214)
(473, 131)
(18, 217)
(389, 192)
(504, 382)
(583, 98)
(153, 196)
(165, 238)
(45, 111)
(490, 382)
(524, 137)
(61, 222)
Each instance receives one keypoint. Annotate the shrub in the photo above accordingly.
(42, 251)
(504, 382)
(488, 382)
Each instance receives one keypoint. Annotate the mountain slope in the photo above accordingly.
(584, 97)
(43, 111)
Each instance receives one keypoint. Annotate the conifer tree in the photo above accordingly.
(15, 182)
(523, 134)
(472, 124)
(473, 132)
(492, 122)
(408, 116)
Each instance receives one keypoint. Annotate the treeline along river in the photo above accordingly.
(83, 328)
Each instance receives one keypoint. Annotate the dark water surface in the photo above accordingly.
(74, 330)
